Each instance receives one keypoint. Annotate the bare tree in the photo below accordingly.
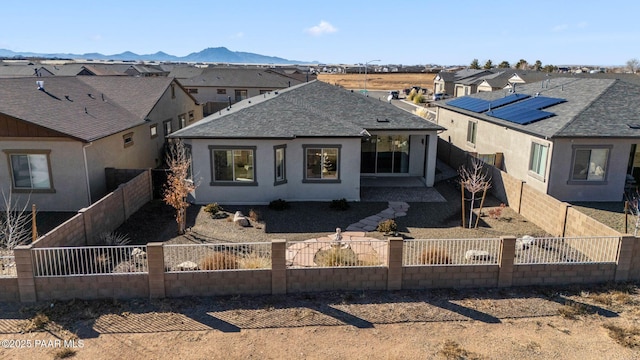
(633, 206)
(15, 223)
(632, 65)
(474, 180)
(178, 185)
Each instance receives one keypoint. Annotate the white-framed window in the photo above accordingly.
(321, 163)
(538, 159)
(167, 127)
(127, 139)
(241, 95)
(280, 169)
(153, 130)
(182, 121)
(30, 170)
(233, 165)
(191, 116)
(590, 163)
(472, 128)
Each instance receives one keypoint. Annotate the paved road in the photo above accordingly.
(401, 103)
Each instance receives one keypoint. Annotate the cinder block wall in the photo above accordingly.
(329, 279)
(92, 287)
(69, 233)
(560, 274)
(9, 289)
(634, 268)
(505, 187)
(213, 283)
(579, 224)
(425, 277)
(543, 210)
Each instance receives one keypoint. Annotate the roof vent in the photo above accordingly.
(382, 120)
(635, 126)
(40, 84)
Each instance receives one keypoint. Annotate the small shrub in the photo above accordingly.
(497, 212)
(387, 226)
(411, 95)
(336, 257)
(278, 205)
(254, 215)
(340, 204)
(418, 99)
(112, 239)
(219, 261)
(213, 208)
(254, 261)
(229, 218)
(434, 256)
(64, 353)
(573, 309)
(38, 322)
(451, 350)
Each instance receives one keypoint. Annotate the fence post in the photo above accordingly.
(507, 259)
(625, 256)
(394, 263)
(278, 266)
(155, 260)
(24, 268)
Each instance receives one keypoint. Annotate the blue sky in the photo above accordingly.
(394, 32)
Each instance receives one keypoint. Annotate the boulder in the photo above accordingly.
(524, 242)
(187, 266)
(476, 255)
(240, 219)
(138, 253)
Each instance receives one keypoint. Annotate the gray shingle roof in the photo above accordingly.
(307, 110)
(595, 107)
(240, 77)
(74, 105)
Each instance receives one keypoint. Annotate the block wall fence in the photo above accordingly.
(280, 279)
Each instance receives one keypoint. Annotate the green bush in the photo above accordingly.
(387, 226)
(213, 208)
(340, 204)
(278, 205)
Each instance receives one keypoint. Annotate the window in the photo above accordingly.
(30, 170)
(167, 127)
(322, 163)
(222, 91)
(262, 92)
(280, 164)
(173, 91)
(182, 121)
(191, 116)
(538, 159)
(127, 139)
(472, 127)
(192, 90)
(233, 166)
(590, 164)
(241, 95)
(153, 130)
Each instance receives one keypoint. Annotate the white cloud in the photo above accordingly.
(238, 35)
(321, 29)
(562, 27)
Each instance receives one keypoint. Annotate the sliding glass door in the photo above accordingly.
(385, 154)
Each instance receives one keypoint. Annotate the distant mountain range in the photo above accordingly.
(218, 54)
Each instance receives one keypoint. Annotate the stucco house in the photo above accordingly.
(310, 142)
(58, 134)
(572, 138)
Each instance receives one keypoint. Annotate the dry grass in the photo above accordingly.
(380, 81)
(573, 310)
(627, 337)
(434, 256)
(336, 257)
(218, 261)
(36, 323)
(451, 350)
(254, 261)
(64, 353)
(254, 215)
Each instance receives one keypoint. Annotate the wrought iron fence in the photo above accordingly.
(451, 252)
(89, 260)
(348, 253)
(7, 264)
(207, 257)
(550, 250)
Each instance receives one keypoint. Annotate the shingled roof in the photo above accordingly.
(314, 109)
(240, 77)
(594, 107)
(86, 108)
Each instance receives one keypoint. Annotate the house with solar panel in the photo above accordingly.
(310, 142)
(575, 139)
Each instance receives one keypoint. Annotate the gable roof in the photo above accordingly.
(75, 105)
(240, 77)
(313, 109)
(594, 107)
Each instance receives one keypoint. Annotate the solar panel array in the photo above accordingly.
(516, 108)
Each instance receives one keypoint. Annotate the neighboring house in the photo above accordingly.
(572, 138)
(311, 142)
(220, 86)
(59, 135)
(451, 82)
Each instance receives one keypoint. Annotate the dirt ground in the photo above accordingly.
(597, 322)
(380, 81)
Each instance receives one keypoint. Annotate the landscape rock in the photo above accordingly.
(476, 255)
(240, 219)
(187, 266)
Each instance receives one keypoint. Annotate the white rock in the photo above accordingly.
(187, 266)
(240, 219)
(476, 255)
(138, 253)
